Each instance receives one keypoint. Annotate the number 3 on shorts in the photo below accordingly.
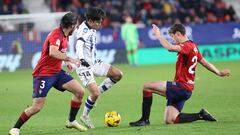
(42, 85)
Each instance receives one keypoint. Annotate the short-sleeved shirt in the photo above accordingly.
(47, 65)
(186, 64)
(89, 36)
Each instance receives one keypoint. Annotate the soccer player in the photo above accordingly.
(130, 36)
(179, 90)
(48, 74)
(86, 41)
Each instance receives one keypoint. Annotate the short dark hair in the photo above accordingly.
(95, 14)
(177, 27)
(68, 20)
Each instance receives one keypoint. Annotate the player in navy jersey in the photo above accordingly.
(48, 73)
(179, 90)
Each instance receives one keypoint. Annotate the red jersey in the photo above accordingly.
(48, 65)
(186, 64)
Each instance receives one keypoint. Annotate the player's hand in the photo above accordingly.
(224, 72)
(84, 63)
(74, 61)
(69, 67)
(156, 30)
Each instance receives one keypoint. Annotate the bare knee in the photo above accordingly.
(171, 114)
(117, 76)
(79, 94)
(169, 121)
(94, 95)
(146, 86)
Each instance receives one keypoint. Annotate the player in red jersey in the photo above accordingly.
(179, 90)
(48, 73)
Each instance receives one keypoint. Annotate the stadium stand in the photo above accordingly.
(12, 7)
(161, 12)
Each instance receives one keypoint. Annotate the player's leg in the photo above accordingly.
(203, 114)
(89, 104)
(176, 97)
(135, 54)
(158, 87)
(174, 116)
(129, 53)
(170, 114)
(37, 105)
(66, 82)
(87, 78)
(78, 92)
(41, 87)
(76, 101)
(112, 73)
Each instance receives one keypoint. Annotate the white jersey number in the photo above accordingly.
(190, 70)
(42, 84)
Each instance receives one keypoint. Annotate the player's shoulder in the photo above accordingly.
(57, 32)
(189, 44)
(83, 28)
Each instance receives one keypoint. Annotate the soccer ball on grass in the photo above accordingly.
(112, 119)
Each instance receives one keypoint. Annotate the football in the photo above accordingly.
(112, 119)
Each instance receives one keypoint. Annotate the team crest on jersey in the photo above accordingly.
(195, 49)
(58, 42)
(85, 30)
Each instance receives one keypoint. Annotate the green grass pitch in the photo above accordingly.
(221, 96)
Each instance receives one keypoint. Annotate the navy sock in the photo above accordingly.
(146, 105)
(186, 118)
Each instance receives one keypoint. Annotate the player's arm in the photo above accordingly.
(79, 48)
(79, 51)
(54, 52)
(163, 41)
(212, 68)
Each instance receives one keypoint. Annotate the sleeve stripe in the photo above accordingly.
(81, 39)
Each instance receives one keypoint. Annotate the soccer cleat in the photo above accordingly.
(86, 121)
(76, 125)
(205, 115)
(140, 123)
(14, 131)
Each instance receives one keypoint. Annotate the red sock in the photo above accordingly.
(147, 94)
(74, 110)
(75, 104)
(24, 117)
(21, 120)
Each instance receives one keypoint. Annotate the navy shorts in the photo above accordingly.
(176, 95)
(42, 84)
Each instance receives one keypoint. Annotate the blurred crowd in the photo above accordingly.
(146, 12)
(12, 7)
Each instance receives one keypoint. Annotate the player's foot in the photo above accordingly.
(205, 115)
(76, 125)
(140, 123)
(87, 121)
(14, 131)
